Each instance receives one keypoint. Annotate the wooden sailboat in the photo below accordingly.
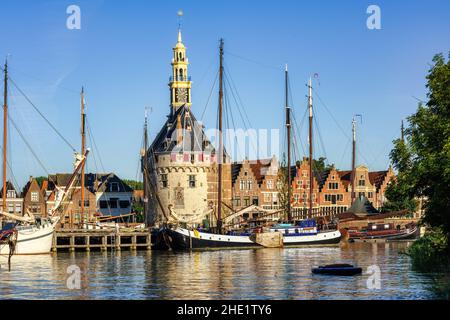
(378, 224)
(292, 234)
(302, 232)
(29, 234)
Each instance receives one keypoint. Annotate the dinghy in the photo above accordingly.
(337, 270)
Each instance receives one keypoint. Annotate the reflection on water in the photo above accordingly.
(226, 274)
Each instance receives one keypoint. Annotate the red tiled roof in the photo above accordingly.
(257, 169)
(376, 178)
(345, 177)
(44, 186)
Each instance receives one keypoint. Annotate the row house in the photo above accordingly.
(14, 203)
(71, 206)
(34, 198)
(301, 185)
(333, 196)
(105, 194)
(255, 183)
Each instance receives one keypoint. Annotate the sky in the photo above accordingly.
(122, 54)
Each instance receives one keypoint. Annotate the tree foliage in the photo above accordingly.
(423, 159)
(136, 185)
(40, 180)
(282, 188)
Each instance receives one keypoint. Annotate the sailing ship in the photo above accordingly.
(29, 234)
(362, 221)
(294, 233)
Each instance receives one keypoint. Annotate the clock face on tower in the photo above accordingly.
(181, 95)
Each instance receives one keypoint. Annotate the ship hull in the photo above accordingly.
(401, 235)
(184, 239)
(32, 240)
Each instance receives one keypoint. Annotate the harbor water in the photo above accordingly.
(225, 274)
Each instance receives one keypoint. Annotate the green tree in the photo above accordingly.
(282, 187)
(423, 159)
(136, 185)
(40, 180)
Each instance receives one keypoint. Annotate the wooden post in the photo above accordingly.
(54, 242)
(133, 242)
(118, 238)
(104, 243)
(87, 240)
(148, 239)
(72, 243)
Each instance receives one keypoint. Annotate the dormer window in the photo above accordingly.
(11, 194)
(114, 187)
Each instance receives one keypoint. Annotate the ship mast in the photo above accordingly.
(145, 169)
(311, 180)
(352, 178)
(288, 129)
(402, 129)
(83, 150)
(220, 157)
(5, 135)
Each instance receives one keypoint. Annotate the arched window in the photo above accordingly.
(181, 74)
(180, 57)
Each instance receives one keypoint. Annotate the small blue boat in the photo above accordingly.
(337, 270)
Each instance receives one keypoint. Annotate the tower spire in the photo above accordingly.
(180, 14)
(180, 82)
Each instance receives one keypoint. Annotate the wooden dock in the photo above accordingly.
(103, 240)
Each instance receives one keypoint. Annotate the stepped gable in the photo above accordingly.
(377, 178)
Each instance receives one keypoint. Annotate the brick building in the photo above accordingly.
(255, 183)
(34, 198)
(14, 203)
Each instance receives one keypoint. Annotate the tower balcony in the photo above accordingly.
(180, 78)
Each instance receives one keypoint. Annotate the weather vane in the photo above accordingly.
(180, 14)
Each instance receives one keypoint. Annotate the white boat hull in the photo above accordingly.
(32, 240)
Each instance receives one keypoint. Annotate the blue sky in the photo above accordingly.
(122, 57)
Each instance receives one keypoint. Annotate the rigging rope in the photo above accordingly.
(209, 97)
(42, 115)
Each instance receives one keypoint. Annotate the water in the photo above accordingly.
(226, 274)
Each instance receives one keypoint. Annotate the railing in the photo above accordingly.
(180, 78)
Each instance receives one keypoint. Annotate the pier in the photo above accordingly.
(103, 240)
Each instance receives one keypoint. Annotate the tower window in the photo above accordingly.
(164, 180)
(192, 181)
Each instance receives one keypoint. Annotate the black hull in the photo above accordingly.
(314, 243)
(160, 240)
(337, 271)
(181, 242)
